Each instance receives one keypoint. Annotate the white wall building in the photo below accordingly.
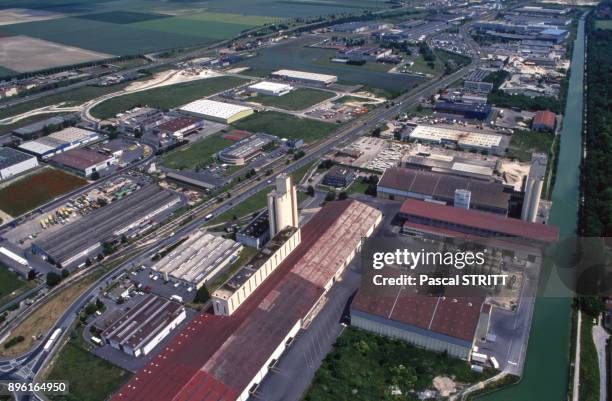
(282, 205)
(225, 113)
(271, 88)
(13, 162)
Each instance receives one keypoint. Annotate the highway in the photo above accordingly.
(28, 366)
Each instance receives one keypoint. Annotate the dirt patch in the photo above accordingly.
(24, 54)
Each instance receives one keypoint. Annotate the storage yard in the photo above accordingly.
(85, 238)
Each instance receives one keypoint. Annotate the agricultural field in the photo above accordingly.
(297, 99)
(286, 126)
(196, 154)
(12, 285)
(36, 189)
(295, 55)
(26, 54)
(166, 97)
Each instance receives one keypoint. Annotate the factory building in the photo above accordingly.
(179, 127)
(34, 130)
(271, 88)
(462, 139)
(58, 142)
(212, 110)
(533, 187)
(477, 86)
(403, 183)
(427, 218)
(454, 165)
(13, 162)
(442, 324)
(544, 121)
(84, 161)
(197, 260)
(227, 357)
(305, 77)
(246, 149)
(257, 232)
(144, 326)
(83, 238)
(478, 111)
(244, 282)
(339, 177)
(282, 205)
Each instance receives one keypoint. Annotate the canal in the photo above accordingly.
(545, 377)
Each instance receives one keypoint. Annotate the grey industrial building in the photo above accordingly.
(257, 232)
(404, 183)
(144, 326)
(340, 177)
(34, 130)
(84, 238)
(13, 162)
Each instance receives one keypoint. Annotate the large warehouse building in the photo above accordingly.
(305, 77)
(225, 113)
(84, 161)
(271, 88)
(404, 183)
(422, 217)
(462, 139)
(226, 357)
(443, 324)
(13, 162)
(246, 149)
(198, 259)
(144, 326)
(61, 141)
(83, 238)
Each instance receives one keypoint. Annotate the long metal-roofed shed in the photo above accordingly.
(144, 326)
(13, 162)
(198, 259)
(84, 237)
(224, 358)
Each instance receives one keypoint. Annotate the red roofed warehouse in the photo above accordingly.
(84, 161)
(224, 358)
(544, 121)
(443, 324)
(429, 217)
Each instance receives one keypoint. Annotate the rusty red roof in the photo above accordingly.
(495, 224)
(547, 118)
(216, 357)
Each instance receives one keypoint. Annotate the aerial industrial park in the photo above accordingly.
(191, 195)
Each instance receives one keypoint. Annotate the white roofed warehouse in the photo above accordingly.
(305, 77)
(198, 259)
(58, 142)
(212, 110)
(271, 88)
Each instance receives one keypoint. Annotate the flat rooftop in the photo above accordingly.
(464, 138)
(80, 159)
(177, 124)
(10, 157)
(103, 223)
(196, 258)
(213, 108)
(223, 353)
(310, 76)
(442, 186)
(143, 322)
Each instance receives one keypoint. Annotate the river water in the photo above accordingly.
(545, 377)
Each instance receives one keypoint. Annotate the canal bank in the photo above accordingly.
(545, 377)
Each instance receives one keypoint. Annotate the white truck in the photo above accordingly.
(52, 339)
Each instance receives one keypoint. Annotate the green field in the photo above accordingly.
(603, 24)
(197, 154)
(36, 189)
(166, 97)
(12, 285)
(187, 26)
(91, 378)
(524, 143)
(231, 18)
(363, 366)
(298, 99)
(69, 98)
(286, 126)
(250, 205)
(123, 17)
